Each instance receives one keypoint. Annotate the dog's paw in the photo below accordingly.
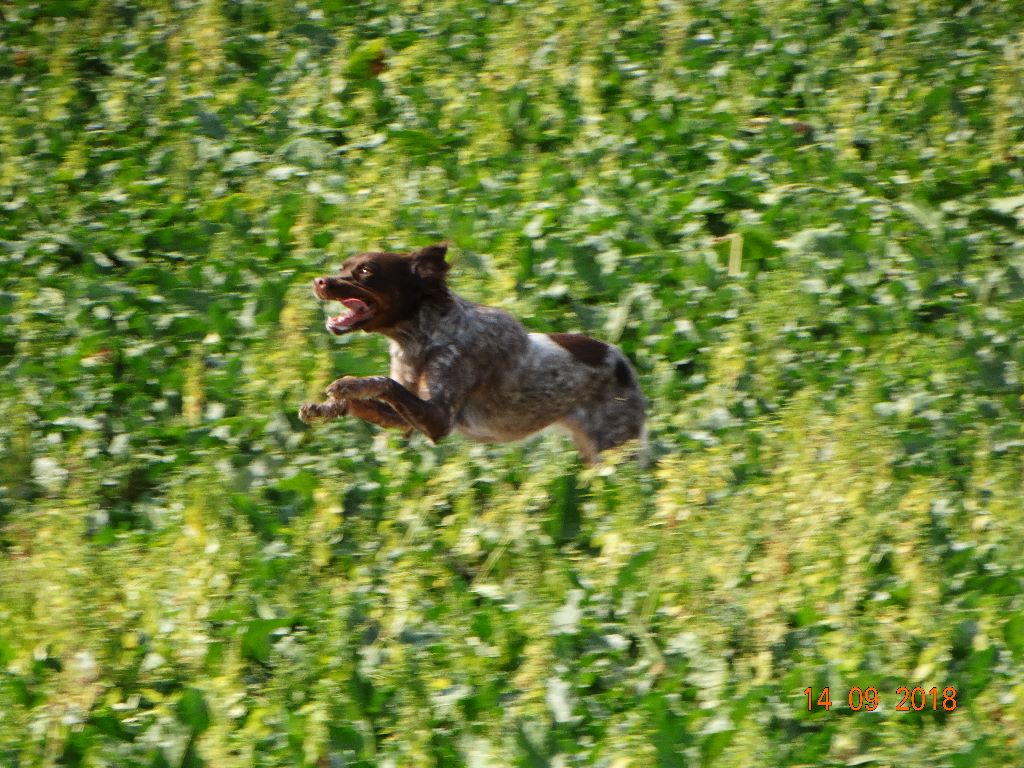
(310, 413)
(358, 387)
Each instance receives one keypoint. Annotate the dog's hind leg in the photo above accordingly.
(606, 422)
(584, 443)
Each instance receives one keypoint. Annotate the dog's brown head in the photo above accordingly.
(381, 290)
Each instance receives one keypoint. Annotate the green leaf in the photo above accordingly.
(193, 711)
(257, 639)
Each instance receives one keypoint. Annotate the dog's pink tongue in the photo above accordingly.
(357, 310)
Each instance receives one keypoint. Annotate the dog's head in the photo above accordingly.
(381, 290)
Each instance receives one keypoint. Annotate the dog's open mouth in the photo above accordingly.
(358, 311)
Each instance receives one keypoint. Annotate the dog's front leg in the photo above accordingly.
(430, 417)
(373, 411)
(381, 414)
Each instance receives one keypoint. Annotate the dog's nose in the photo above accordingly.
(320, 283)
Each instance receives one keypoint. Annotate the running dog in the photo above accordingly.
(459, 366)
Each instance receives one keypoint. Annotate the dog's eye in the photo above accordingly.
(363, 272)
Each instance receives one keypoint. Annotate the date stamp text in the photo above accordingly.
(906, 699)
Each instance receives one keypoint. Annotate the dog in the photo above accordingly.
(463, 367)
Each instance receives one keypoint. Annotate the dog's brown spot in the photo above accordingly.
(583, 348)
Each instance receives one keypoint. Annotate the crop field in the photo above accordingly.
(802, 220)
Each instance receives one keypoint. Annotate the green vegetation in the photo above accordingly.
(190, 577)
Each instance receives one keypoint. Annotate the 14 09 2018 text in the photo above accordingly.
(915, 699)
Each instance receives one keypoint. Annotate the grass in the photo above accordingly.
(804, 222)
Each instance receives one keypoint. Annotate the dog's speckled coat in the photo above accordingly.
(473, 369)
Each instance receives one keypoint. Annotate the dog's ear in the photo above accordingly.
(429, 264)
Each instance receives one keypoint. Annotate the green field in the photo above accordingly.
(803, 220)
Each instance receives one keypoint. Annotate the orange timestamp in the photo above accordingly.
(910, 699)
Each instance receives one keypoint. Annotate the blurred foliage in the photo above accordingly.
(190, 577)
